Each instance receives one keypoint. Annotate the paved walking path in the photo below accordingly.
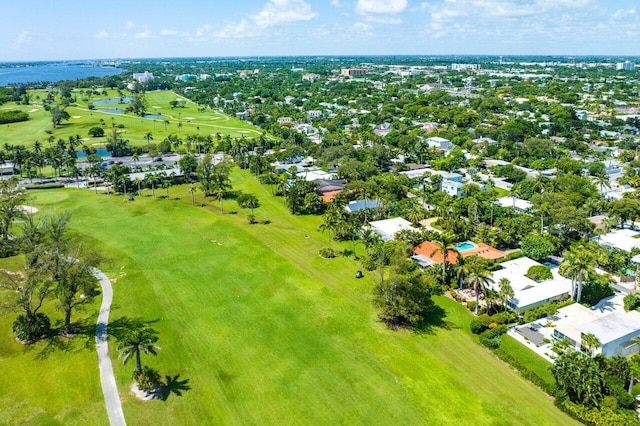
(108, 380)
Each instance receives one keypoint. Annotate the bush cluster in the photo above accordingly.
(14, 116)
(45, 186)
(327, 253)
(631, 302)
(30, 331)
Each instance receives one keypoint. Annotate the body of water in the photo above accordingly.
(30, 73)
(101, 152)
(115, 101)
(111, 110)
(121, 111)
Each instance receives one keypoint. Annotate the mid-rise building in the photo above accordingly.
(350, 72)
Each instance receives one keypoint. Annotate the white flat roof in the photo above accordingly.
(527, 291)
(573, 316)
(387, 228)
(612, 326)
(519, 203)
(623, 239)
(166, 172)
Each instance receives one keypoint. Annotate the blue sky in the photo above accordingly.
(84, 29)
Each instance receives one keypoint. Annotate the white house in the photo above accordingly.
(452, 184)
(440, 144)
(623, 239)
(515, 203)
(388, 228)
(313, 114)
(613, 329)
(529, 294)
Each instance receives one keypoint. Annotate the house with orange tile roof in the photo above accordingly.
(428, 252)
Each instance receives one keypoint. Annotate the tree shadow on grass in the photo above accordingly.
(87, 330)
(173, 385)
(57, 340)
(122, 326)
(435, 319)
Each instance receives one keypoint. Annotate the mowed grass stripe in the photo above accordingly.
(267, 332)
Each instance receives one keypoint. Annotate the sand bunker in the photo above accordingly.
(76, 116)
(28, 209)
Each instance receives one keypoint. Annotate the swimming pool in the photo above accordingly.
(467, 245)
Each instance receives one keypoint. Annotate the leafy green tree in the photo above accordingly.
(214, 178)
(138, 105)
(580, 377)
(96, 132)
(405, 298)
(188, 165)
(12, 197)
(537, 247)
(137, 342)
(58, 115)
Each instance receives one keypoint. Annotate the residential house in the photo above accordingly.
(516, 203)
(388, 228)
(452, 184)
(358, 205)
(613, 328)
(529, 294)
(441, 144)
(623, 239)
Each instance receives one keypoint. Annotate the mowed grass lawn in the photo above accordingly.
(187, 120)
(267, 332)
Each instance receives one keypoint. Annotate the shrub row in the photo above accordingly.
(14, 116)
(46, 186)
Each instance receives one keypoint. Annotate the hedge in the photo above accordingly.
(46, 186)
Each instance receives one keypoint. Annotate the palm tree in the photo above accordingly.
(445, 243)
(591, 342)
(479, 278)
(578, 261)
(148, 137)
(192, 190)
(505, 290)
(138, 341)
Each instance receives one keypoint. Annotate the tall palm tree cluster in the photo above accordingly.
(60, 155)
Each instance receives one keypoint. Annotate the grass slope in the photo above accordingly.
(265, 331)
(191, 121)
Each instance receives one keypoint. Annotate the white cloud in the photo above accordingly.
(365, 7)
(142, 34)
(361, 27)
(383, 20)
(240, 29)
(512, 20)
(623, 13)
(338, 3)
(130, 25)
(168, 32)
(277, 12)
(101, 34)
(23, 39)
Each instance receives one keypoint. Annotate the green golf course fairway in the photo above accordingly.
(187, 120)
(256, 328)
